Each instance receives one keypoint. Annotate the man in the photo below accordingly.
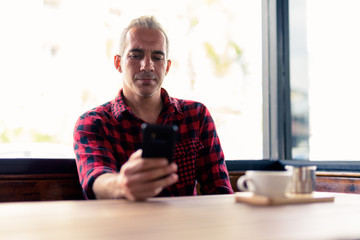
(107, 139)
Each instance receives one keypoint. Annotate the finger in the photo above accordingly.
(135, 155)
(148, 163)
(151, 189)
(159, 183)
(164, 182)
(142, 165)
(153, 174)
(138, 164)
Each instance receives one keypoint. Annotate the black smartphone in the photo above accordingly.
(158, 140)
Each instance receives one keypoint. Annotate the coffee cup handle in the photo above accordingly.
(241, 183)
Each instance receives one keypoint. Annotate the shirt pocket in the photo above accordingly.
(185, 155)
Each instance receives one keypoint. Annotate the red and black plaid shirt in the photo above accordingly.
(106, 136)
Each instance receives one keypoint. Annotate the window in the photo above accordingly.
(297, 102)
(324, 57)
(57, 62)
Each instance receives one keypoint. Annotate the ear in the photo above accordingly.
(117, 62)
(168, 66)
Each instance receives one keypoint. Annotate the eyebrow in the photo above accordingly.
(159, 52)
(142, 51)
(137, 50)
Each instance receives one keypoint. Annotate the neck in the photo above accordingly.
(146, 108)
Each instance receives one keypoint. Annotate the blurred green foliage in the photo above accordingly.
(223, 61)
(8, 135)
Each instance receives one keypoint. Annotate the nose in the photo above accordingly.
(147, 64)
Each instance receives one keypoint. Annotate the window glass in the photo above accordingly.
(57, 62)
(324, 57)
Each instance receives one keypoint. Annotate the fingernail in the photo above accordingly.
(158, 190)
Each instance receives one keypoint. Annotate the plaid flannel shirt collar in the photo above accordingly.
(170, 104)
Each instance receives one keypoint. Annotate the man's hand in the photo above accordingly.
(138, 179)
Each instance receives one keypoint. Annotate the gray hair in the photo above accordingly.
(146, 22)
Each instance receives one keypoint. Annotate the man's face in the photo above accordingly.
(144, 62)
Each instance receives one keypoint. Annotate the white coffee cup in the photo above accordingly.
(266, 183)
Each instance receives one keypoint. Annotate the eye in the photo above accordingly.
(158, 57)
(135, 56)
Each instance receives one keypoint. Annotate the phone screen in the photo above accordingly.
(158, 141)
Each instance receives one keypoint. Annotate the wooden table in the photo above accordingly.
(185, 218)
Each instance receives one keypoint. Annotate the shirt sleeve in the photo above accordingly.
(93, 151)
(212, 172)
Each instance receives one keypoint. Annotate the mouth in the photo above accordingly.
(145, 80)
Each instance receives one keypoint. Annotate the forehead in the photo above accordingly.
(146, 39)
